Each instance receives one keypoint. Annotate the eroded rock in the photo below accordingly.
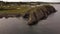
(39, 13)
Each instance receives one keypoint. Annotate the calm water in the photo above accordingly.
(19, 26)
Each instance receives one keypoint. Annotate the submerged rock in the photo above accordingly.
(39, 13)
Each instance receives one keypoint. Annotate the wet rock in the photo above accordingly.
(6, 17)
(39, 13)
(43, 10)
(26, 15)
(32, 19)
(50, 8)
(35, 16)
(18, 15)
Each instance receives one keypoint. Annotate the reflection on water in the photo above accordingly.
(19, 26)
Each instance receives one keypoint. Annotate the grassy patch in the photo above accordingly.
(18, 10)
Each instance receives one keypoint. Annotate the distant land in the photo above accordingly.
(32, 2)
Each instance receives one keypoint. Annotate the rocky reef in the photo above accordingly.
(39, 13)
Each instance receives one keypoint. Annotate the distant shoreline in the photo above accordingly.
(33, 2)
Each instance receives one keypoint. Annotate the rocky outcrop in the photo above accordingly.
(39, 13)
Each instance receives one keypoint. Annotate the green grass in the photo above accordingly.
(22, 10)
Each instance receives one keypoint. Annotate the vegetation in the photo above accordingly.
(19, 10)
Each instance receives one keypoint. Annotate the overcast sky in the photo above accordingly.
(31, 0)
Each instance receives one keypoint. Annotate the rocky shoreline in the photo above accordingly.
(34, 15)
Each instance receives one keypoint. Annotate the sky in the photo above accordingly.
(31, 0)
